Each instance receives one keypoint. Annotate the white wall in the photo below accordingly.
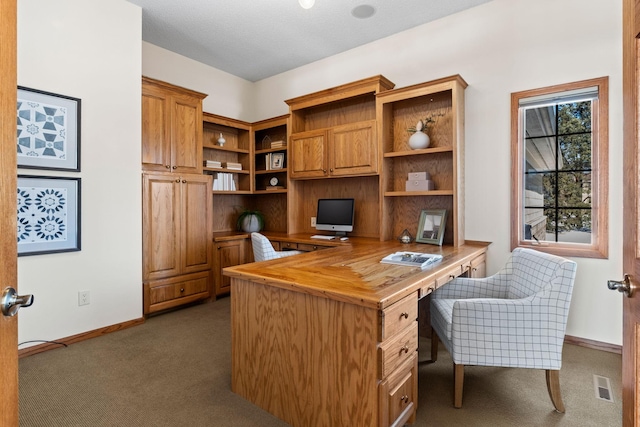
(500, 47)
(228, 95)
(89, 50)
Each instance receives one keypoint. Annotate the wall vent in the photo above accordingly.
(602, 387)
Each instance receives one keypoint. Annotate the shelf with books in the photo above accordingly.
(227, 150)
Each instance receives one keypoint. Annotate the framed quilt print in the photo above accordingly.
(48, 130)
(48, 215)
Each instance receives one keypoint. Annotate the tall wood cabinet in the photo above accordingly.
(171, 128)
(176, 198)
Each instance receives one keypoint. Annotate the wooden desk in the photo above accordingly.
(330, 338)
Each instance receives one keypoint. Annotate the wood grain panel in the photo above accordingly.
(308, 360)
(197, 208)
(353, 149)
(8, 224)
(308, 156)
(186, 153)
(364, 191)
(406, 114)
(156, 148)
(161, 226)
(274, 208)
(226, 208)
(407, 211)
(438, 165)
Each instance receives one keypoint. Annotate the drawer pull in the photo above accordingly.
(404, 349)
(405, 315)
(452, 276)
(181, 289)
(404, 399)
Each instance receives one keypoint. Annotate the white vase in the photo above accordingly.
(419, 140)
(250, 224)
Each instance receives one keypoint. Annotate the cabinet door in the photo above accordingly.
(156, 144)
(186, 134)
(228, 254)
(196, 222)
(353, 149)
(161, 226)
(308, 155)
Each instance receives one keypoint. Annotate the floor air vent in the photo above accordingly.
(602, 387)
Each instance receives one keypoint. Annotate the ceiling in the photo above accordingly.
(256, 39)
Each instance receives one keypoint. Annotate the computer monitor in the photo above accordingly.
(335, 215)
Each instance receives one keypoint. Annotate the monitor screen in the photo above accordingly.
(335, 215)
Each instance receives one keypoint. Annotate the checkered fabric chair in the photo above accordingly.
(515, 318)
(263, 249)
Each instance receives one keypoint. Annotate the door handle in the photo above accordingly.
(625, 286)
(11, 302)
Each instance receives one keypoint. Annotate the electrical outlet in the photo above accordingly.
(83, 298)
(313, 221)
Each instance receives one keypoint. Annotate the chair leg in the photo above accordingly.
(434, 345)
(553, 386)
(458, 381)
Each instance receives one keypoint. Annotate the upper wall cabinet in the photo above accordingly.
(333, 132)
(171, 128)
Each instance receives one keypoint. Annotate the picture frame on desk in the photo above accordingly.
(431, 226)
(277, 161)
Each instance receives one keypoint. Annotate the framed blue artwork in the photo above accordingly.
(48, 215)
(48, 130)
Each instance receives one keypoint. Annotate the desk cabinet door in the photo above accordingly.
(228, 254)
(353, 149)
(308, 155)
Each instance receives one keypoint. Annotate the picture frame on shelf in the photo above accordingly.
(48, 134)
(431, 226)
(48, 214)
(277, 161)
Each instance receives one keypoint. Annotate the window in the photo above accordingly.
(559, 164)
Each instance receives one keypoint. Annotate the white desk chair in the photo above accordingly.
(515, 318)
(263, 249)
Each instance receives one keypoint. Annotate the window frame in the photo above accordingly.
(599, 246)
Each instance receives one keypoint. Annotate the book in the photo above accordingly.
(412, 259)
(233, 165)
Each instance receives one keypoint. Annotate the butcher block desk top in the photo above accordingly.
(352, 272)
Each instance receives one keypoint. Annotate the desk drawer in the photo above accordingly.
(398, 395)
(310, 248)
(397, 316)
(395, 351)
(448, 275)
(288, 245)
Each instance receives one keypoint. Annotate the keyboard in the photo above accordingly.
(322, 237)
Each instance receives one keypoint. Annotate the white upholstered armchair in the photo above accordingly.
(515, 318)
(263, 249)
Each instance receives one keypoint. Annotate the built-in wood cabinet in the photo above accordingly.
(333, 132)
(171, 131)
(345, 150)
(176, 242)
(235, 150)
(442, 101)
(227, 252)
